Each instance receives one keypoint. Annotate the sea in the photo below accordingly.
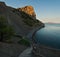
(49, 35)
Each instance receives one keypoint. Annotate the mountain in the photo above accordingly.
(29, 10)
(22, 19)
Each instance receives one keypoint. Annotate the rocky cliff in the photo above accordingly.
(23, 19)
(29, 10)
(2, 7)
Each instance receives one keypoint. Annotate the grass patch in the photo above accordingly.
(24, 42)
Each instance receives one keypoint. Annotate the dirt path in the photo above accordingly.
(26, 53)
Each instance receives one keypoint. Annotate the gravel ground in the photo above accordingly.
(11, 50)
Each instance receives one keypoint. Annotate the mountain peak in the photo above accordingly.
(29, 10)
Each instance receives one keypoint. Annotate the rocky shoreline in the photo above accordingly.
(45, 51)
(38, 28)
(33, 31)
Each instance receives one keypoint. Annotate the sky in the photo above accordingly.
(46, 10)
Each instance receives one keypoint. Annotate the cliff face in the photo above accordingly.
(2, 7)
(23, 20)
(2, 4)
(29, 10)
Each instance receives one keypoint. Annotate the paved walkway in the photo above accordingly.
(26, 53)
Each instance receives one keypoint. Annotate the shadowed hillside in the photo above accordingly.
(22, 22)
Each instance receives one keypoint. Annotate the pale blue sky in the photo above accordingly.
(46, 10)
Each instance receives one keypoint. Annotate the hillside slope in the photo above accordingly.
(22, 22)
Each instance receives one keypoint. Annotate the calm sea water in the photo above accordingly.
(49, 35)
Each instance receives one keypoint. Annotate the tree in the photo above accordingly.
(6, 31)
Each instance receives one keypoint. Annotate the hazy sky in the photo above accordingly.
(46, 10)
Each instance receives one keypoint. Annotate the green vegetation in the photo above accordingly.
(28, 20)
(24, 42)
(31, 22)
(6, 31)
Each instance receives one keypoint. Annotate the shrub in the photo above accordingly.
(6, 31)
(24, 42)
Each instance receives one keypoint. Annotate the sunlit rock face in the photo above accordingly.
(29, 10)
